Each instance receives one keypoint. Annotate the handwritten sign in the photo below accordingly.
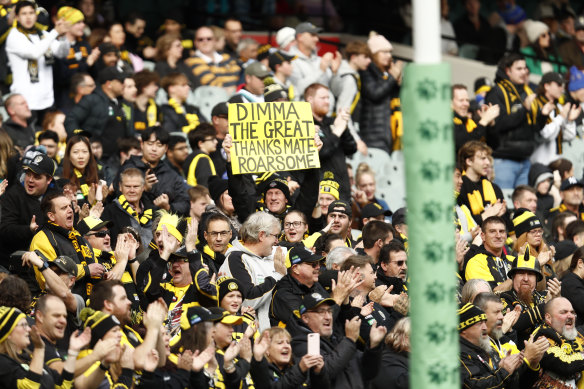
(272, 137)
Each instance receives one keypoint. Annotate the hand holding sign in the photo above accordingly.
(271, 137)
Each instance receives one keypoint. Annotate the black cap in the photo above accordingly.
(42, 164)
(341, 206)
(197, 314)
(300, 254)
(275, 92)
(279, 57)
(91, 223)
(278, 183)
(374, 210)
(66, 264)
(399, 216)
(314, 300)
(307, 27)
(221, 109)
(570, 183)
(111, 73)
(264, 51)
(552, 77)
(179, 255)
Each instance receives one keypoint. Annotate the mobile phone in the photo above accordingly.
(313, 341)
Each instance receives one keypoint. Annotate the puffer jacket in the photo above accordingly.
(376, 94)
(513, 136)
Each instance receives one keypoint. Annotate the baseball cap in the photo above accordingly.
(570, 183)
(374, 210)
(314, 300)
(197, 314)
(91, 223)
(225, 317)
(220, 109)
(42, 164)
(307, 27)
(65, 264)
(279, 57)
(285, 35)
(340, 206)
(552, 77)
(300, 254)
(399, 216)
(109, 74)
(275, 92)
(257, 69)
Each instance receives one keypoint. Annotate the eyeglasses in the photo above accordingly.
(277, 236)
(538, 231)
(208, 38)
(215, 234)
(399, 263)
(323, 311)
(99, 234)
(314, 265)
(24, 324)
(293, 224)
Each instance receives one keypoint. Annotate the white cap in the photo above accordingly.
(285, 35)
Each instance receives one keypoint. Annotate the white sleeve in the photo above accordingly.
(60, 48)
(552, 129)
(569, 131)
(17, 43)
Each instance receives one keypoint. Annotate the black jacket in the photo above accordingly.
(393, 372)
(573, 290)
(18, 209)
(376, 94)
(287, 296)
(175, 122)
(397, 283)
(21, 136)
(465, 130)
(102, 117)
(268, 376)
(14, 375)
(531, 316)
(115, 213)
(169, 182)
(514, 134)
(344, 366)
(475, 370)
(333, 154)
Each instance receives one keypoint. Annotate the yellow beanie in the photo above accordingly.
(70, 14)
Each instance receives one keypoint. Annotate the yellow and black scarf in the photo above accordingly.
(83, 187)
(33, 65)
(192, 119)
(83, 250)
(541, 101)
(143, 218)
(512, 96)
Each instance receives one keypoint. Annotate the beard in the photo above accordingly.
(569, 334)
(485, 343)
(497, 333)
(525, 295)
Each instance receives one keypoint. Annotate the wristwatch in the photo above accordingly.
(44, 267)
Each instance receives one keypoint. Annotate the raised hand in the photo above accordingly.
(79, 339)
(151, 360)
(260, 347)
(201, 358)
(352, 328)
(185, 360)
(280, 261)
(376, 335)
(511, 318)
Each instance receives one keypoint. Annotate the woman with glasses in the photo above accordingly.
(296, 230)
(19, 368)
(529, 234)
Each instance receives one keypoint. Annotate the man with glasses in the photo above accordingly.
(251, 261)
(208, 67)
(302, 279)
(393, 267)
(199, 166)
(218, 237)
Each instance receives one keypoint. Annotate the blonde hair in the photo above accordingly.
(399, 337)
(362, 169)
(6, 152)
(7, 348)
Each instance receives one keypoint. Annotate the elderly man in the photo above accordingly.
(131, 208)
(302, 279)
(563, 362)
(525, 273)
(208, 67)
(478, 368)
(352, 367)
(498, 326)
(18, 126)
(393, 267)
(255, 264)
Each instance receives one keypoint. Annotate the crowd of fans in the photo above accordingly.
(132, 256)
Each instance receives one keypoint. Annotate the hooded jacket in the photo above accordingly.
(257, 277)
(514, 134)
(545, 202)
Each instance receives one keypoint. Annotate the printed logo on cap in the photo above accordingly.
(317, 296)
(194, 319)
(232, 286)
(37, 159)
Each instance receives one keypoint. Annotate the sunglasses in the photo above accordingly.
(100, 234)
(204, 39)
(399, 263)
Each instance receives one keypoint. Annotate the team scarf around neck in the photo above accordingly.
(192, 119)
(143, 218)
(32, 64)
(83, 250)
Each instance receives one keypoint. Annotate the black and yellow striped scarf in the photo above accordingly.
(83, 250)
(511, 95)
(541, 101)
(192, 119)
(143, 218)
(83, 187)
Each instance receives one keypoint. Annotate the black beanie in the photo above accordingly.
(217, 186)
(9, 318)
(226, 285)
(99, 322)
(525, 221)
(469, 315)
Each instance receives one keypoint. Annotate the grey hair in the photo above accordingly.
(338, 256)
(244, 43)
(471, 288)
(256, 223)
